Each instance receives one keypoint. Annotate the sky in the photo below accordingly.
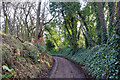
(83, 3)
(49, 15)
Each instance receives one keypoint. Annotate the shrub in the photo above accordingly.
(50, 45)
(41, 48)
(101, 61)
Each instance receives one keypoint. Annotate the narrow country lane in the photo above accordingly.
(65, 69)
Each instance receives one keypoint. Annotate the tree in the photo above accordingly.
(41, 22)
(102, 22)
(118, 26)
(111, 15)
(38, 21)
(6, 18)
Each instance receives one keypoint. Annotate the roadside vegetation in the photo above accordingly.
(23, 60)
(86, 32)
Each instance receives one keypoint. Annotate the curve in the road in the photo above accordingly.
(65, 69)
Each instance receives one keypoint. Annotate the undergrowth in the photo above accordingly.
(23, 60)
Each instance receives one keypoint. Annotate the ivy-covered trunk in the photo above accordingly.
(118, 27)
(118, 34)
(111, 19)
(102, 23)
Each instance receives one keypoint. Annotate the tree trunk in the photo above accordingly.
(102, 22)
(98, 30)
(86, 30)
(118, 18)
(98, 26)
(118, 34)
(42, 22)
(118, 26)
(6, 18)
(86, 41)
(111, 15)
(38, 21)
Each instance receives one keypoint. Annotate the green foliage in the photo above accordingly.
(64, 34)
(65, 51)
(10, 73)
(6, 68)
(41, 48)
(102, 61)
(21, 60)
(49, 45)
(33, 56)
